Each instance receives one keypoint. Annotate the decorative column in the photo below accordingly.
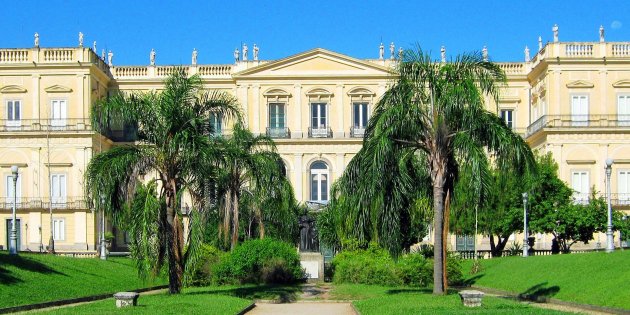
(297, 94)
(339, 110)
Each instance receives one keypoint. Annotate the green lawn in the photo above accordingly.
(592, 278)
(33, 278)
(401, 300)
(191, 301)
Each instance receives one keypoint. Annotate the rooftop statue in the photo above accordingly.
(94, 47)
(236, 55)
(36, 40)
(484, 53)
(539, 43)
(601, 33)
(80, 39)
(555, 33)
(194, 56)
(443, 54)
(527, 54)
(245, 52)
(152, 57)
(381, 51)
(255, 52)
(110, 56)
(392, 48)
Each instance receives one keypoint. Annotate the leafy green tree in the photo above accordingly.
(173, 143)
(434, 111)
(251, 178)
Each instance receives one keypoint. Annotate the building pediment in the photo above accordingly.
(317, 63)
(12, 89)
(622, 84)
(58, 89)
(580, 84)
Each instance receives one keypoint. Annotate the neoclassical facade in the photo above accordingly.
(571, 99)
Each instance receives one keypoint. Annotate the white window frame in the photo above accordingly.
(11, 121)
(216, 119)
(8, 191)
(363, 121)
(59, 229)
(623, 116)
(322, 175)
(623, 186)
(277, 105)
(579, 119)
(512, 116)
(579, 196)
(58, 118)
(58, 195)
(319, 114)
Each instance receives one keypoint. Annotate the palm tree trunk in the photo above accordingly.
(235, 222)
(174, 239)
(261, 224)
(438, 226)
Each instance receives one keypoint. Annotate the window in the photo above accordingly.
(58, 113)
(59, 229)
(319, 120)
(623, 187)
(58, 189)
(465, 243)
(507, 115)
(9, 189)
(14, 113)
(580, 185)
(319, 182)
(359, 118)
(623, 110)
(277, 120)
(579, 110)
(216, 124)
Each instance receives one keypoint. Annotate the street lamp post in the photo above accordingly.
(13, 234)
(525, 236)
(624, 218)
(103, 247)
(610, 245)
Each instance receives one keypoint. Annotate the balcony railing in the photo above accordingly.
(322, 132)
(578, 121)
(61, 124)
(278, 133)
(357, 132)
(72, 202)
(616, 199)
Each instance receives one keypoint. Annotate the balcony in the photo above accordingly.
(357, 132)
(322, 132)
(616, 200)
(35, 125)
(278, 133)
(578, 121)
(77, 202)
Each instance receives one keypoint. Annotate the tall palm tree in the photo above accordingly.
(252, 167)
(174, 145)
(436, 112)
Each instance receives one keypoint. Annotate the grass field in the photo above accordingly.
(592, 278)
(34, 278)
(401, 300)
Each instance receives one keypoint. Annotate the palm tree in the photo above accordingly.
(173, 143)
(251, 176)
(435, 111)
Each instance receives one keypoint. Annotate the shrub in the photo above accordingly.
(201, 273)
(454, 272)
(415, 270)
(367, 266)
(260, 261)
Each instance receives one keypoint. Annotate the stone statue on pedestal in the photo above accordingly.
(152, 57)
(601, 33)
(80, 39)
(309, 240)
(484, 53)
(94, 47)
(36, 40)
(527, 54)
(236, 55)
(381, 52)
(555, 33)
(110, 56)
(194, 56)
(400, 53)
(539, 43)
(255, 52)
(245, 52)
(443, 54)
(392, 48)
(103, 54)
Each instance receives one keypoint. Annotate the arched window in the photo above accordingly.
(319, 181)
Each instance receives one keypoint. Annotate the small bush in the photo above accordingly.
(415, 270)
(260, 261)
(454, 272)
(201, 274)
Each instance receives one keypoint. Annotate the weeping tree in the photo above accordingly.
(173, 146)
(434, 111)
(251, 181)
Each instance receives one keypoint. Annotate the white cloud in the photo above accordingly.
(616, 25)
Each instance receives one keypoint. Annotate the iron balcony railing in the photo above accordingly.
(281, 133)
(70, 202)
(357, 132)
(616, 199)
(578, 121)
(321, 132)
(61, 124)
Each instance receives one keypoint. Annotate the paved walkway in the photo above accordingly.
(303, 308)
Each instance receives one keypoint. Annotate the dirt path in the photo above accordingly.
(303, 308)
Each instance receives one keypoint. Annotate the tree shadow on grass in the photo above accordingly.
(22, 263)
(472, 280)
(401, 291)
(280, 294)
(540, 292)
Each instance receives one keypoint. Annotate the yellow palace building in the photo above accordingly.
(568, 98)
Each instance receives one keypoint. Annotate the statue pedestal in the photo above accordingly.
(313, 263)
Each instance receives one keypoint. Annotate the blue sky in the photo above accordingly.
(282, 28)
